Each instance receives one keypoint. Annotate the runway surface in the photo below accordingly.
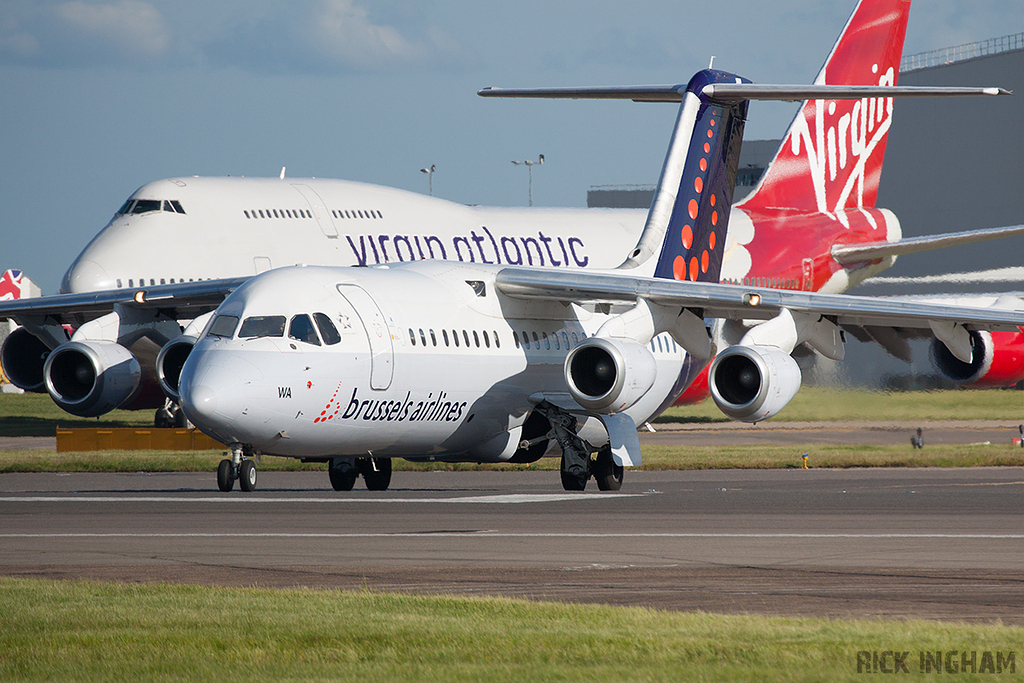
(918, 543)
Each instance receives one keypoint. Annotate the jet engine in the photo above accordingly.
(23, 356)
(609, 374)
(90, 378)
(169, 362)
(752, 383)
(997, 360)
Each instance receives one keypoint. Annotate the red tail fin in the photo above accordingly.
(831, 157)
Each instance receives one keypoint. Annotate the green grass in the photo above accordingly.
(86, 631)
(814, 404)
(35, 414)
(38, 415)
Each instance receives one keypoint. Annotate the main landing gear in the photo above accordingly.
(579, 459)
(376, 473)
(239, 467)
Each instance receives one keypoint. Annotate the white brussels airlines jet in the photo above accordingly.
(449, 361)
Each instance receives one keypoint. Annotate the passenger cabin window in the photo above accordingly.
(327, 329)
(223, 326)
(262, 326)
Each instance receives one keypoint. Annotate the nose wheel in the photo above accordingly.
(239, 467)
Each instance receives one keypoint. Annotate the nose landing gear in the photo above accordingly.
(239, 467)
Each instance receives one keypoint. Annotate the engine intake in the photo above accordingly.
(171, 360)
(752, 383)
(22, 357)
(90, 378)
(608, 374)
(954, 369)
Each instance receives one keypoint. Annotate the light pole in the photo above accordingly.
(430, 176)
(529, 166)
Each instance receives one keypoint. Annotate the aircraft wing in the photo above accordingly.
(858, 253)
(182, 300)
(737, 302)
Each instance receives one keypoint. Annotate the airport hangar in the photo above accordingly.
(950, 165)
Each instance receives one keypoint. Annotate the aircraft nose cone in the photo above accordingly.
(85, 276)
(202, 400)
(214, 392)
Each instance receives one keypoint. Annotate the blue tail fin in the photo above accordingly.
(689, 216)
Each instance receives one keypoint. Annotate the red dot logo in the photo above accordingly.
(693, 209)
(698, 184)
(679, 268)
(687, 236)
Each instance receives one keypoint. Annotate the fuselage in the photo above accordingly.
(446, 374)
(186, 229)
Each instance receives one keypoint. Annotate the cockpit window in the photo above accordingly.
(146, 205)
(126, 207)
(327, 329)
(262, 326)
(173, 206)
(223, 326)
(302, 330)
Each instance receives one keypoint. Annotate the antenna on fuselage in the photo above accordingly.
(282, 172)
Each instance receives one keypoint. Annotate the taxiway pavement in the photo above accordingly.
(916, 543)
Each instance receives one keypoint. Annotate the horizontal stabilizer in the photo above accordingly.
(731, 92)
(858, 253)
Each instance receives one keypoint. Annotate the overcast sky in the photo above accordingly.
(98, 98)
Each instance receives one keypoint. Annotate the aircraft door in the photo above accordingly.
(320, 211)
(382, 355)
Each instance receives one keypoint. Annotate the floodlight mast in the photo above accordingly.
(430, 176)
(529, 165)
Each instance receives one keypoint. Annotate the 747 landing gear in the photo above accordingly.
(238, 467)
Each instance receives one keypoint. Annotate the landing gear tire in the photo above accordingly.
(376, 473)
(247, 474)
(343, 479)
(607, 473)
(574, 479)
(226, 475)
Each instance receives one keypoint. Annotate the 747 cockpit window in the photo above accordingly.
(223, 326)
(146, 205)
(262, 326)
(302, 330)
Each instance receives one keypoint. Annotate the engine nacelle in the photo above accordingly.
(997, 360)
(22, 357)
(752, 383)
(169, 362)
(90, 378)
(609, 374)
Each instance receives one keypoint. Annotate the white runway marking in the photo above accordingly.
(503, 499)
(505, 534)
